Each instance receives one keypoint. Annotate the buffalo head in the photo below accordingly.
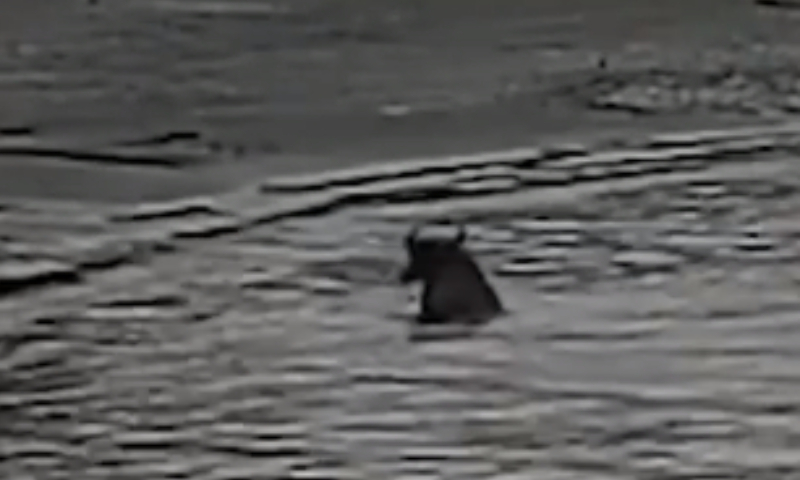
(454, 288)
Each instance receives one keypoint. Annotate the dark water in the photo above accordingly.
(260, 333)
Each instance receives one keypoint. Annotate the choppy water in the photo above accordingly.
(260, 334)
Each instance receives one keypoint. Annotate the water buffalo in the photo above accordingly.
(454, 288)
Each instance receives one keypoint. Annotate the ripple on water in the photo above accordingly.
(17, 275)
(643, 260)
(528, 267)
(299, 372)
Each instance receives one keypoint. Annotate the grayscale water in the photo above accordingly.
(259, 331)
(653, 331)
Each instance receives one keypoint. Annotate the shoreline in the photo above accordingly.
(45, 180)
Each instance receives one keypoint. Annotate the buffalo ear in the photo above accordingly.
(461, 235)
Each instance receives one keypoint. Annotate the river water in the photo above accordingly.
(261, 332)
(255, 328)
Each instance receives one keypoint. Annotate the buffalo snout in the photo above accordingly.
(407, 275)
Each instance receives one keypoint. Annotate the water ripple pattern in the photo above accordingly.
(260, 334)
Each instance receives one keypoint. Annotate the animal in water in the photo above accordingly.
(455, 290)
